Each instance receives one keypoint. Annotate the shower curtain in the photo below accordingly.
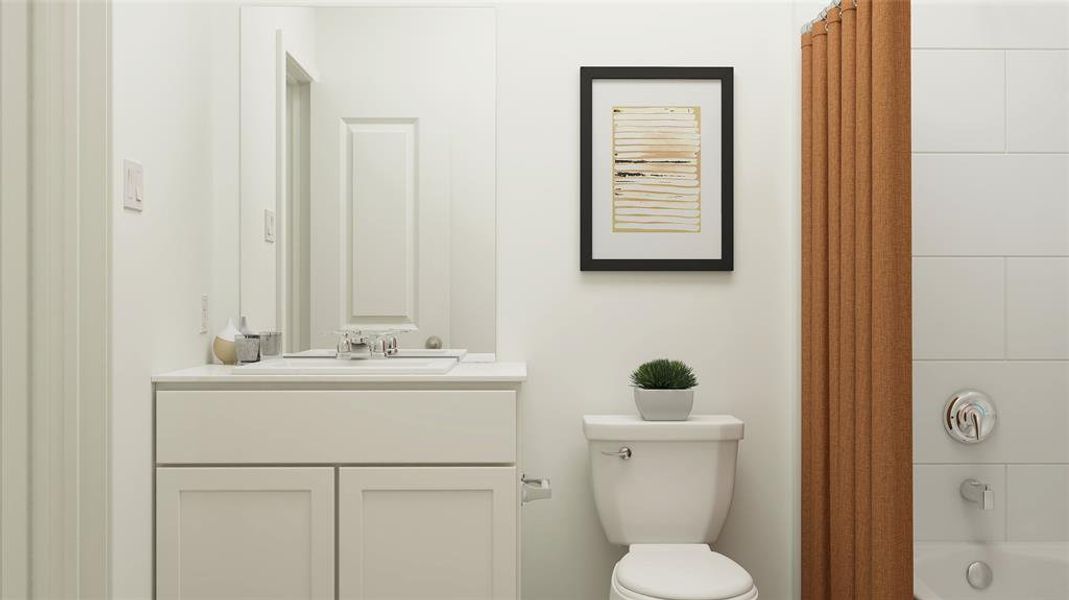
(857, 538)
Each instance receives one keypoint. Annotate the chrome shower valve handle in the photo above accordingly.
(969, 416)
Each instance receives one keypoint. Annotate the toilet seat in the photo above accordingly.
(680, 572)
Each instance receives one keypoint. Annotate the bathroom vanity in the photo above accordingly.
(337, 486)
(369, 209)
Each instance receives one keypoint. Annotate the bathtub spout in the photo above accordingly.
(979, 493)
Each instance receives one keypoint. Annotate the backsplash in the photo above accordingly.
(991, 267)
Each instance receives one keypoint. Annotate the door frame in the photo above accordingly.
(294, 209)
(55, 526)
(14, 299)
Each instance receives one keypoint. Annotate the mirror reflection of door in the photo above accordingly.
(402, 169)
(395, 215)
(381, 165)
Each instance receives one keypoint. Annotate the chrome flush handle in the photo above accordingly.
(624, 453)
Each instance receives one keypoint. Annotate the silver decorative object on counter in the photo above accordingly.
(247, 347)
(270, 343)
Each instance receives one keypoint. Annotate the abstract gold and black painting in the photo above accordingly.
(656, 173)
(656, 169)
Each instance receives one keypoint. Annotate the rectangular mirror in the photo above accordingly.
(367, 173)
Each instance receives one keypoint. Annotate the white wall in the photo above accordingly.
(991, 263)
(262, 103)
(175, 111)
(581, 333)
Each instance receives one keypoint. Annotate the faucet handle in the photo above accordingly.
(969, 416)
(344, 341)
(969, 421)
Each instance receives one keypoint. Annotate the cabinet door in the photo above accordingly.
(244, 533)
(418, 533)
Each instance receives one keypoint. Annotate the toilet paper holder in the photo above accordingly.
(532, 489)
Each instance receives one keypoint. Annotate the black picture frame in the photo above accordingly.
(587, 262)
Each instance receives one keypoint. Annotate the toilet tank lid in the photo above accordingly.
(633, 428)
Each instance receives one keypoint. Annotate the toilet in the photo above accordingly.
(663, 488)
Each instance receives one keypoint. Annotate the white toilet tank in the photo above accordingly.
(674, 488)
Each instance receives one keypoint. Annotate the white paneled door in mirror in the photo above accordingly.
(381, 204)
(399, 148)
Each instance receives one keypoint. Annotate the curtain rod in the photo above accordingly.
(824, 13)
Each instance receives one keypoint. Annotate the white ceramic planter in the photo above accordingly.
(664, 405)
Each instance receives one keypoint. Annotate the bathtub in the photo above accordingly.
(1021, 570)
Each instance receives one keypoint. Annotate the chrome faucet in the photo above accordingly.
(354, 344)
(388, 345)
(979, 493)
(350, 346)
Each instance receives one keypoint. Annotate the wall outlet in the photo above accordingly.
(204, 313)
(269, 226)
(133, 194)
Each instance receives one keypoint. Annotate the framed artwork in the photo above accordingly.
(656, 183)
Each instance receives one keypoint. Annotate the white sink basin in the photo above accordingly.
(333, 366)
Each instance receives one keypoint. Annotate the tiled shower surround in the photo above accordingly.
(991, 264)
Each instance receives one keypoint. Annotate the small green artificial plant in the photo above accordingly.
(664, 374)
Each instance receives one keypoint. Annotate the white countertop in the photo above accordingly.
(463, 372)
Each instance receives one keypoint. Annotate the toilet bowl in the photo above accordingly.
(679, 572)
(663, 488)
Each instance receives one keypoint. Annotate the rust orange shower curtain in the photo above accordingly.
(856, 339)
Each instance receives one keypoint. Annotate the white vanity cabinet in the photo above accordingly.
(356, 488)
(257, 532)
(436, 532)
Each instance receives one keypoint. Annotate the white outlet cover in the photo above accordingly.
(133, 196)
(269, 225)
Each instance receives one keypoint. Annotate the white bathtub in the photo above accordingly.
(1022, 570)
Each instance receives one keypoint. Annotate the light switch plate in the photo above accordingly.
(269, 225)
(133, 195)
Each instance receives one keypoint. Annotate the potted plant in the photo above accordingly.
(664, 390)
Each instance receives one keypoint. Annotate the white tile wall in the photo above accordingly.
(958, 308)
(940, 513)
(1037, 307)
(1031, 397)
(991, 266)
(990, 24)
(990, 204)
(1036, 506)
(959, 103)
(1037, 100)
